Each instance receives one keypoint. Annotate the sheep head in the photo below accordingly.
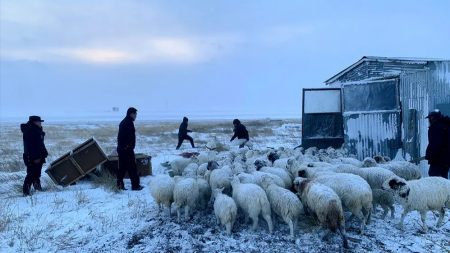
(398, 185)
(300, 184)
(212, 165)
(379, 159)
(369, 162)
(259, 164)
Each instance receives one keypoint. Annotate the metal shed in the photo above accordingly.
(383, 103)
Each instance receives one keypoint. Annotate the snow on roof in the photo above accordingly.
(406, 60)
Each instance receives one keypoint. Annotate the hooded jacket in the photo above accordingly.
(183, 131)
(240, 131)
(33, 142)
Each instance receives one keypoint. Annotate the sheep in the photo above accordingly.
(422, 195)
(185, 194)
(221, 178)
(253, 201)
(283, 174)
(403, 169)
(190, 170)
(385, 199)
(322, 201)
(161, 189)
(178, 165)
(225, 209)
(281, 163)
(259, 175)
(204, 193)
(283, 202)
(375, 176)
(354, 192)
(201, 170)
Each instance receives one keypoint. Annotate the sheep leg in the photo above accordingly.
(228, 227)
(344, 237)
(217, 220)
(423, 216)
(186, 212)
(441, 217)
(291, 227)
(170, 210)
(255, 222)
(405, 211)
(362, 218)
(386, 210)
(178, 214)
(269, 222)
(392, 211)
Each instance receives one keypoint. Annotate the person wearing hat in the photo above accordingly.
(183, 133)
(34, 153)
(126, 142)
(438, 149)
(240, 132)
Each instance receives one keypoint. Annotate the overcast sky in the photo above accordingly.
(197, 58)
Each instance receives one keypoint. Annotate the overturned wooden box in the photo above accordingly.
(77, 163)
(143, 165)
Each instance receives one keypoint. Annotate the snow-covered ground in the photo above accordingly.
(91, 217)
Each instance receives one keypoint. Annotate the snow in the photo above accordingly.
(91, 217)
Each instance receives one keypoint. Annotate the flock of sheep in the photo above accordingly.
(292, 182)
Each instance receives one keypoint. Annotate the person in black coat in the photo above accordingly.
(34, 153)
(183, 133)
(126, 142)
(438, 149)
(240, 131)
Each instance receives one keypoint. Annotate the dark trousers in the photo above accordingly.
(32, 177)
(438, 171)
(182, 138)
(127, 162)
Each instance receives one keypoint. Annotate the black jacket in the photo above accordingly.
(126, 139)
(240, 131)
(438, 150)
(33, 142)
(182, 131)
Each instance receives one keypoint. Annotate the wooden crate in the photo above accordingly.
(76, 164)
(143, 164)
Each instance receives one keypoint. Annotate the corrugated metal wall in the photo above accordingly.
(372, 133)
(422, 91)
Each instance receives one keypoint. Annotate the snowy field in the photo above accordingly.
(92, 217)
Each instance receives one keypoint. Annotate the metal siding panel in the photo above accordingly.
(369, 134)
(423, 91)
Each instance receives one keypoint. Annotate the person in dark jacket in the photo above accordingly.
(438, 149)
(126, 142)
(240, 131)
(183, 133)
(34, 153)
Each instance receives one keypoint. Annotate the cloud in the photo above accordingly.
(183, 50)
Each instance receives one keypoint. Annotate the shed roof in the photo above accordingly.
(405, 60)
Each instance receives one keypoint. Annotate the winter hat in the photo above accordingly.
(35, 118)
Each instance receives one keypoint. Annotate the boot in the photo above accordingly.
(137, 188)
(37, 185)
(26, 189)
(121, 186)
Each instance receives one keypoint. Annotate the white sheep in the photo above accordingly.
(322, 201)
(403, 169)
(259, 176)
(385, 199)
(204, 193)
(177, 166)
(190, 170)
(161, 189)
(220, 178)
(225, 209)
(185, 194)
(202, 168)
(253, 201)
(422, 195)
(375, 176)
(283, 202)
(354, 192)
(281, 173)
